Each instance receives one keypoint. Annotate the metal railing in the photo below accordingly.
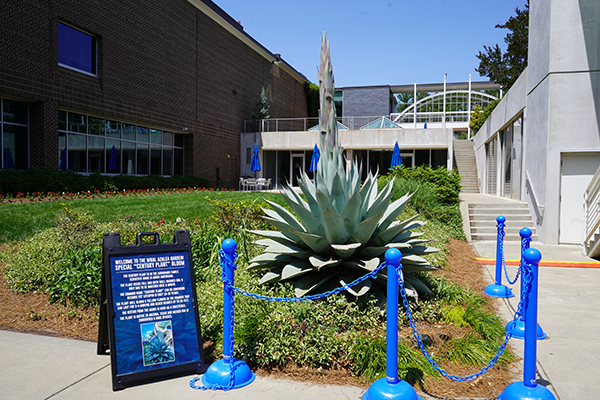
(591, 204)
(539, 209)
(304, 124)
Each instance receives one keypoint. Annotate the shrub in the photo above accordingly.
(436, 193)
(33, 180)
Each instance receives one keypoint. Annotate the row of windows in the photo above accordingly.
(13, 134)
(91, 144)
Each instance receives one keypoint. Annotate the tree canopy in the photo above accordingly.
(505, 68)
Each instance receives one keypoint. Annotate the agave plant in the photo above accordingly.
(341, 229)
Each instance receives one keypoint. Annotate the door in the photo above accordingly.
(576, 172)
(296, 167)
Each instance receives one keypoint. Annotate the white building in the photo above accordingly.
(542, 142)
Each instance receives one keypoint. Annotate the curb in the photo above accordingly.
(561, 264)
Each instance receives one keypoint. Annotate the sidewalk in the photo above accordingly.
(42, 367)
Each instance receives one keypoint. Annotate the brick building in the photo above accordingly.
(167, 83)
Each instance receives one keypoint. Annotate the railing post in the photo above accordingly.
(518, 327)
(390, 387)
(497, 289)
(229, 372)
(528, 389)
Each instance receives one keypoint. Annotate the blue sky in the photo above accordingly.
(378, 42)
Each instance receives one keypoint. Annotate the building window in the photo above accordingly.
(91, 144)
(77, 50)
(14, 134)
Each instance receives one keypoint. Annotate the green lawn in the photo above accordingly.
(21, 220)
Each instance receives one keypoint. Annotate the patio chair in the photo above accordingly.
(261, 183)
(251, 183)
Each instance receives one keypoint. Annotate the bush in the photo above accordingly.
(44, 181)
(436, 194)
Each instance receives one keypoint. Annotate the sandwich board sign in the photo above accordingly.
(149, 309)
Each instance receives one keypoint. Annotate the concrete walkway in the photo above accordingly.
(568, 312)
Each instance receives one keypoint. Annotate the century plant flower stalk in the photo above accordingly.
(341, 229)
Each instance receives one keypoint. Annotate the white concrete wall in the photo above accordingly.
(509, 108)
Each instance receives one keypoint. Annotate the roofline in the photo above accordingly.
(431, 87)
(438, 87)
(217, 14)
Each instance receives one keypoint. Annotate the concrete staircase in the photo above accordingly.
(466, 165)
(482, 220)
(592, 248)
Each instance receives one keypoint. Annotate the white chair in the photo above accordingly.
(251, 183)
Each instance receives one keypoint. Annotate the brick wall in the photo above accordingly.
(372, 101)
(161, 63)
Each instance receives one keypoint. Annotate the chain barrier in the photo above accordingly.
(372, 274)
(527, 281)
(501, 235)
(226, 262)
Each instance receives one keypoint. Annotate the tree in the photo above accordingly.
(261, 109)
(505, 68)
(405, 100)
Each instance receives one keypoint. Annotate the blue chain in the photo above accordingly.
(527, 278)
(372, 274)
(225, 261)
(511, 282)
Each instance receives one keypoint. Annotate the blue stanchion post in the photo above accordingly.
(391, 387)
(229, 372)
(528, 389)
(518, 327)
(497, 289)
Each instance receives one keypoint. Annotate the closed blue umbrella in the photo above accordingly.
(63, 158)
(314, 162)
(255, 165)
(8, 160)
(112, 165)
(396, 159)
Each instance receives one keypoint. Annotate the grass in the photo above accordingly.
(19, 221)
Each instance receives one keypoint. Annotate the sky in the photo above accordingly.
(378, 42)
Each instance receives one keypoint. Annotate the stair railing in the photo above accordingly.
(591, 204)
(539, 209)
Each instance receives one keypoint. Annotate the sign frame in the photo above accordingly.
(118, 269)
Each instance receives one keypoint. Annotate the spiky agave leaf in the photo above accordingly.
(339, 229)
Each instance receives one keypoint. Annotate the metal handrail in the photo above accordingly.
(591, 201)
(539, 209)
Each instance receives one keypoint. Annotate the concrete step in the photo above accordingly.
(493, 230)
(508, 204)
(512, 223)
(494, 237)
(493, 214)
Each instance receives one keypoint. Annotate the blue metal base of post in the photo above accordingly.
(381, 389)
(218, 374)
(494, 290)
(518, 391)
(518, 330)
